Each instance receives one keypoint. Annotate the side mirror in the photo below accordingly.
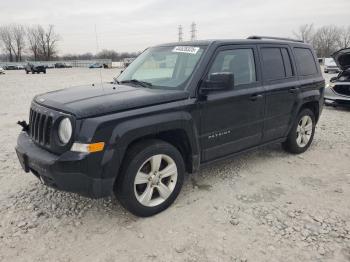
(218, 82)
(333, 79)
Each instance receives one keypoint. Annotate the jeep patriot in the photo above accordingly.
(175, 107)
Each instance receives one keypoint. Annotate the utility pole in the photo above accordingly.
(193, 31)
(180, 33)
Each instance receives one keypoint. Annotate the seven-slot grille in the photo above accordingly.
(40, 127)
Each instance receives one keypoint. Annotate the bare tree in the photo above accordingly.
(33, 42)
(326, 40)
(47, 42)
(305, 33)
(6, 38)
(344, 38)
(18, 34)
(42, 42)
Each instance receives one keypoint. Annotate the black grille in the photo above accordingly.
(342, 89)
(40, 126)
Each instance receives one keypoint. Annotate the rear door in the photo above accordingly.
(281, 89)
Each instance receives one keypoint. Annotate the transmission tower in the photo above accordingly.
(180, 33)
(193, 31)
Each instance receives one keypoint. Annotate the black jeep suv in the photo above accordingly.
(176, 107)
(30, 68)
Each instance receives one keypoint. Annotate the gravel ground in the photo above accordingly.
(265, 205)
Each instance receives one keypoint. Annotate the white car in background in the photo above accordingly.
(2, 71)
(330, 65)
(338, 91)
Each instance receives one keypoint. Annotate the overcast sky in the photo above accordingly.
(136, 24)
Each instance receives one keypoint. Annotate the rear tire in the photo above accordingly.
(151, 177)
(302, 133)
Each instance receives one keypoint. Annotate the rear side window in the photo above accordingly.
(305, 61)
(277, 64)
(273, 68)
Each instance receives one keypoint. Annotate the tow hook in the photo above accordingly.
(24, 125)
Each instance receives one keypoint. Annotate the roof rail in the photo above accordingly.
(274, 38)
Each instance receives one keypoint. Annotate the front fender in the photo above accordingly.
(127, 131)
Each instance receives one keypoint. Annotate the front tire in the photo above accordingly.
(302, 133)
(151, 178)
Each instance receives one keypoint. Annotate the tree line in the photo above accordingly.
(38, 43)
(19, 42)
(326, 39)
(104, 54)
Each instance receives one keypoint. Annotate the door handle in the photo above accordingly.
(293, 90)
(256, 97)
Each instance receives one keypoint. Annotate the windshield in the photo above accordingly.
(163, 67)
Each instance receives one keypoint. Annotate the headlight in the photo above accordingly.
(65, 130)
(330, 85)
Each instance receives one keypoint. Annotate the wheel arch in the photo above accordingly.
(314, 106)
(178, 129)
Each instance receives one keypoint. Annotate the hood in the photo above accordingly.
(342, 58)
(89, 101)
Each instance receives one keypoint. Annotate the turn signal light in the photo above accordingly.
(88, 148)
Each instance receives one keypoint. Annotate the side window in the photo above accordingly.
(240, 62)
(273, 66)
(305, 61)
(287, 62)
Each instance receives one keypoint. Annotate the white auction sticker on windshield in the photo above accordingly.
(186, 49)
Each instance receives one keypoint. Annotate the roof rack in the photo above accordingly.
(274, 38)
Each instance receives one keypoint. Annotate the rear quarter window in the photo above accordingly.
(305, 61)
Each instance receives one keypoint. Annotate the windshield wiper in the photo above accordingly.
(138, 82)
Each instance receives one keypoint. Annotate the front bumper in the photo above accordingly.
(334, 99)
(67, 172)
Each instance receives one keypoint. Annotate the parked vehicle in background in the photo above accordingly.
(176, 107)
(30, 68)
(11, 67)
(337, 92)
(49, 66)
(330, 65)
(96, 65)
(127, 61)
(320, 60)
(2, 71)
(63, 65)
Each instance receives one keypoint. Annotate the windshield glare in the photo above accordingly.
(163, 67)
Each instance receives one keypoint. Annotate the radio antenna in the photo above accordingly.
(97, 50)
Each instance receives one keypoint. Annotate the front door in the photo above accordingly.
(232, 120)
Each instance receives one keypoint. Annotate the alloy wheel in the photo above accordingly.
(304, 131)
(155, 180)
